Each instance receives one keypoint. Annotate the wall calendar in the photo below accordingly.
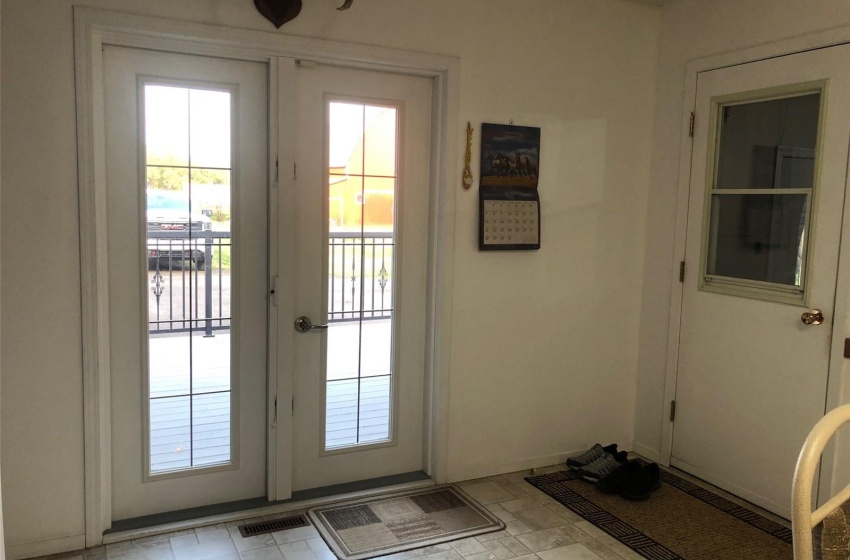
(509, 204)
(509, 221)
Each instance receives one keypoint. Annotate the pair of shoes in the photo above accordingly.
(604, 466)
(591, 455)
(632, 480)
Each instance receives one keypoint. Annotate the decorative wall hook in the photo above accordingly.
(279, 11)
(467, 170)
(346, 5)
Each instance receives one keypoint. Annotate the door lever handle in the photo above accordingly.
(813, 317)
(303, 324)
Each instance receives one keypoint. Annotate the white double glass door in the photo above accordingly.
(215, 395)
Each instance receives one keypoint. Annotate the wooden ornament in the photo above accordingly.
(279, 11)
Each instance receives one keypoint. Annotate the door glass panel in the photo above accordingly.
(764, 177)
(361, 257)
(759, 237)
(755, 137)
(187, 193)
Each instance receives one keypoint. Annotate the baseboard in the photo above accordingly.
(31, 549)
(280, 508)
(647, 452)
(482, 471)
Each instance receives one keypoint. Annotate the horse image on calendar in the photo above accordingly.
(510, 156)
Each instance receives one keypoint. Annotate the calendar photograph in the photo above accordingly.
(510, 156)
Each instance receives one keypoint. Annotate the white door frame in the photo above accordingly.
(95, 28)
(838, 386)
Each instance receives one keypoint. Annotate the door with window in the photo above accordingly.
(361, 242)
(767, 194)
(187, 167)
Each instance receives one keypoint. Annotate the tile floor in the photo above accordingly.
(537, 528)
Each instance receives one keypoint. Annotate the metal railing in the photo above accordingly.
(360, 275)
(189, 282)
(190, 279)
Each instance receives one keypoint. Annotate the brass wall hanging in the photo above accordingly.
(467, 170)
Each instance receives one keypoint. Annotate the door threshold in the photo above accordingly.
(153, 525)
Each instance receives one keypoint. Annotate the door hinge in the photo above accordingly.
(276, 172)
(682, 271)
(293, 405)
(691, 126)
(672, 411)
(274, 421)
(294, 171)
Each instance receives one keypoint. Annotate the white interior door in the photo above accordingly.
(187, 145)
(764, 223)
(361, 201)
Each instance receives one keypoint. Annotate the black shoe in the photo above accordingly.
(643, 483)
(614, 482)
(591, 455)
(602, 467)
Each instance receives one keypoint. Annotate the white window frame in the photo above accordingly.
(741, 287)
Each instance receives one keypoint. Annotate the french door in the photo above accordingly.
(189, 203)
(361, 198)
(187, 145)
(768, 183)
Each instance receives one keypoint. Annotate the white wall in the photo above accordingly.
(544, 345)
(694, 29)
(2, 538)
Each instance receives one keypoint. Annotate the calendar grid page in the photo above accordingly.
(511, 222)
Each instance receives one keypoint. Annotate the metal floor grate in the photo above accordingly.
(263, 527)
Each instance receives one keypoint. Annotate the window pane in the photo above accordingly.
(758, 139)
(346, 138)
(380, 141)
(170, 429)
(758, 237)
(166, 125)
(210, 128)
(211, 428)
(374, 421)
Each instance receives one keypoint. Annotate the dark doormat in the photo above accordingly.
(681, 521)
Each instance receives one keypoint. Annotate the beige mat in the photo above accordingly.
(380, 525)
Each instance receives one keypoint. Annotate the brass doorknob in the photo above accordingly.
(813, 317)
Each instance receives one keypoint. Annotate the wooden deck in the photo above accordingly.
(183, 436)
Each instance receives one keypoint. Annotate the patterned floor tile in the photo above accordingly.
(571, 552)
(517, 528)
(487, 492)
(499, 550)
(520, 504)
(468, 547)
(539, 518)
(269, 553)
